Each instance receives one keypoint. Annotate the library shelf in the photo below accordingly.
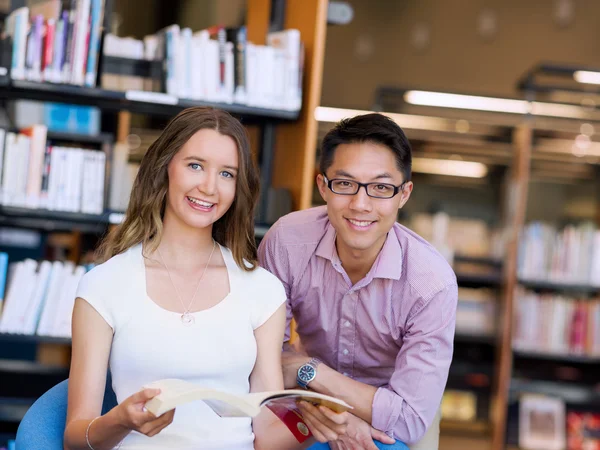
(543, 285)
(33, 339)
(479, 280)
(474, 338)
(482, 260)
(557, 357)
(43, 219)
(14, 366)
(155, 103)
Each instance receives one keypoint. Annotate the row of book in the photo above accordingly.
(476, 311)
(37, 174)
(56, 41)
(555, 324)
(216, 65)
(38, 296)
(567, 255)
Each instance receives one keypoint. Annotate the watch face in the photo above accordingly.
(306, 373)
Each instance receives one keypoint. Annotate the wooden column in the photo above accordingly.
(515, 207)
(257, 21)
(296, 142)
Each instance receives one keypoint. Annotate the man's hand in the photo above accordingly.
(324, 424)
(291, 362)
(359, 436)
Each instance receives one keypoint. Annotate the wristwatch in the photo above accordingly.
(307, 372)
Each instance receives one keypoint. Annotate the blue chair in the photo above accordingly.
(44, 423)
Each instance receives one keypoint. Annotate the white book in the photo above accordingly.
(184, 69)
(37, 151)
(101, 173)
(30, 316)
(82, 28)
(212, 71)
(50, 307)
(53, 179)
(251, 74)
(20, 288)
(118, 195)
(69, 180)
(26, 291)
(14, 275)
(17, 25)
(24, 145)
(229, 73)
(63, 319)
(63, 179)
(86, 188)
(9, 171)
(172, 59)
(198, 55)
(2, 140)
(40, 294)
(77, 175)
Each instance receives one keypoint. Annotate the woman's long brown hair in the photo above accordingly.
(144, 216)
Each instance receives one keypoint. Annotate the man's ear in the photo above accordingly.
(322, 186)
(405, 194)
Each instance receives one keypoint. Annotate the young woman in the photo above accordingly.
(180, 295)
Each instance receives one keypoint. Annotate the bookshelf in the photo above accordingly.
(282, 143)
(152, 103)
(532, 143)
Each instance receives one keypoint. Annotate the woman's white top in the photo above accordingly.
(150, 343)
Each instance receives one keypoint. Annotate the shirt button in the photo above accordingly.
(347, 323)
(345, 352)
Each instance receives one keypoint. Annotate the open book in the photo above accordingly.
(176, 392)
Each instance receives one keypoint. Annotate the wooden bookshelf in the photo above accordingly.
(284, 146)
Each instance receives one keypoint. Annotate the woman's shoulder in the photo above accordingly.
(257, 276)
(118, 266)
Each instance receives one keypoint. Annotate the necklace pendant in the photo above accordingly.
(187, 319)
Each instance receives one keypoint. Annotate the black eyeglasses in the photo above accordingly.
(350, 187)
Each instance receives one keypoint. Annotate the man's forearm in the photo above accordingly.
(328, 381)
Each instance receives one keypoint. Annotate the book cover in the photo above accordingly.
(176, 392)
(583, 431)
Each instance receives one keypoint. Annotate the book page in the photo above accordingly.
(289, 398)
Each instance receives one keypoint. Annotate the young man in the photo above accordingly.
(374, 303)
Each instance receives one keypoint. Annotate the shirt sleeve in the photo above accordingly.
(406, 407)
(272, 257)
(92, 289)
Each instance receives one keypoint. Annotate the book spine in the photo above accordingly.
(94, 48)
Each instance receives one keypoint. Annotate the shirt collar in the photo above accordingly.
(388, 263)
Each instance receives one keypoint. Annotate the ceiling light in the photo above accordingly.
(453, 168)
(493, 104)
(445, 100)
(584, 76)
(414, 122)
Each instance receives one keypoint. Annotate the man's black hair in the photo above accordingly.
(375, 128)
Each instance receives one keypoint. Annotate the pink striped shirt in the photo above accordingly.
(394, 329)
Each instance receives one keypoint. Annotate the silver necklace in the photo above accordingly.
(187, 317)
